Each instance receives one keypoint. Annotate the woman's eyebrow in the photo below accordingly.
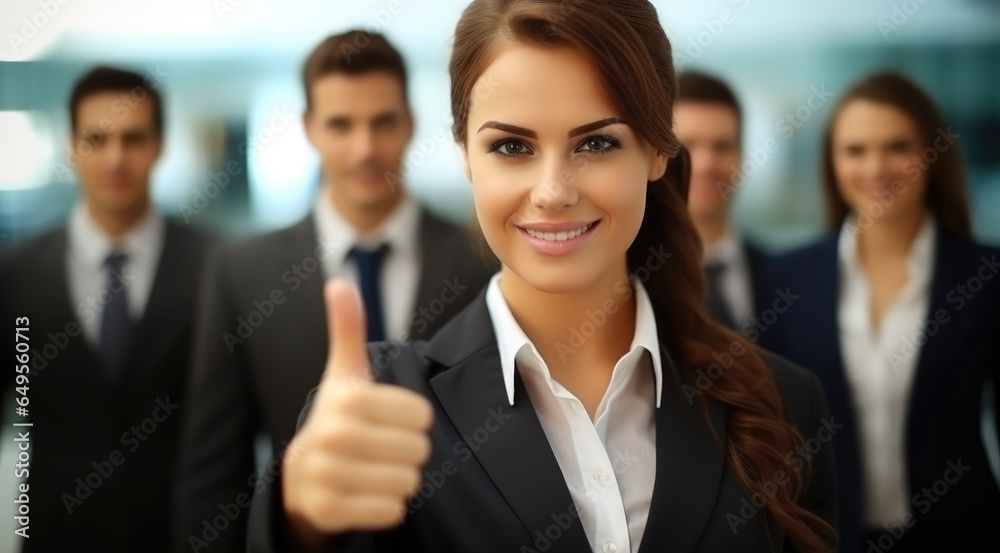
(594, 126)
(508, 128)
(532, 134)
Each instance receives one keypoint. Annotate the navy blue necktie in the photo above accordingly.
(116, 327)
(369, 275)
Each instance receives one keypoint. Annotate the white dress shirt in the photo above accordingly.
(609, 464)
(400, 270)
(88, 248)
(880, 365)
(736, 288)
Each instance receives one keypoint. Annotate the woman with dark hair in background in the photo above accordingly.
(899, 315)
(584, 401)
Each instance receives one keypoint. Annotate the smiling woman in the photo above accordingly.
(662, 432)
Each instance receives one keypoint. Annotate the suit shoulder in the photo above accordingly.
(32, 250)
(261, 249)
(800, 389)
(815, 249)
(403, 364)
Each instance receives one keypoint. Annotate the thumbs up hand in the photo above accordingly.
(358, 455)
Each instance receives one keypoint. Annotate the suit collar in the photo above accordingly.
(511, 339)
(690, 462)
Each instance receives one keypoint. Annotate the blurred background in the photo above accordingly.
(229, 71)
(229, 74)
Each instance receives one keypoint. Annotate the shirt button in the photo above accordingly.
(610, 547)
(598, 476)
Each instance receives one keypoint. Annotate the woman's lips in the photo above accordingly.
(557, 238)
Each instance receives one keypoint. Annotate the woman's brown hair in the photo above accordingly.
(946, 196)
(630, 50)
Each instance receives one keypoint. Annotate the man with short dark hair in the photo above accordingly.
(708, 122)
(105, 306)
(262, 339)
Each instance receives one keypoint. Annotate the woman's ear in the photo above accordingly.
(658, 166)
(465, 164)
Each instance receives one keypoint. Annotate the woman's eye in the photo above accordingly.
(509, 148)
(599, 144)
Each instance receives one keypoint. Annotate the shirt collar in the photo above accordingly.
(337, 236)
(919, 260)
(511, 339)
(92, 245)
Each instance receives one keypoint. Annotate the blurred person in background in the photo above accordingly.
(708, 122)
(262, 342)
(108, 305)
(899, 315)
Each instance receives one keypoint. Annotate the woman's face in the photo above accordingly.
(877, 161)
(559, 178)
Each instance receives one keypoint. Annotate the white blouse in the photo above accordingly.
(880, 366)
(609, 464)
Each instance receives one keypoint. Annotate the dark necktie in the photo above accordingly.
(714, 302)
(116, 327)
(369, 275)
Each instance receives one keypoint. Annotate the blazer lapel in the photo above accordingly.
(690, 464)
(159, 325)
(517, 456)
(307, 300)
(86, 371)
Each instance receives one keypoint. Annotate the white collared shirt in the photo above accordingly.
(609, 464)
(737, 290)
(880, 366)
(88, 248)
(400, 271)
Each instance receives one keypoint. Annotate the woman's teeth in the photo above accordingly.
(559, 236)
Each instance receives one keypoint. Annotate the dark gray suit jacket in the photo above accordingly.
(119, 441)
(498, 487)
(261, 346)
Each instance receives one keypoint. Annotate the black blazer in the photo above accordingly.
(943, 421)
(257, 384)
(80, 419)
(505, 492)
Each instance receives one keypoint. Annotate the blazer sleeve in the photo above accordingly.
(216, 456)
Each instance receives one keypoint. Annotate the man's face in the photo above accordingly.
(711, 134)
(360, 126)
(116, 144)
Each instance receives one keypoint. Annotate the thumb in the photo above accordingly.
(345, 316)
